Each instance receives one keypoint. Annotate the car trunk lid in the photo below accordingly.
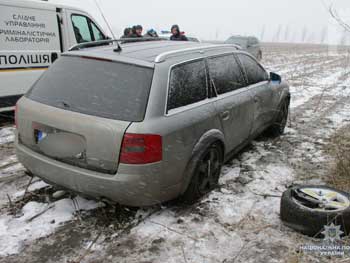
(78, 139)
(79, 110)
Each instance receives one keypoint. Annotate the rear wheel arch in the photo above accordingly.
(207, 139)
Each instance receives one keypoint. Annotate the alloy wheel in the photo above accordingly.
(209, 170)
(321, 199)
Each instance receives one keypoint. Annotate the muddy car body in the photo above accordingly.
(138, 125)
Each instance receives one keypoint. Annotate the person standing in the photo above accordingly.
(176, 34)
(137, 31)
(127, 32)
(151, 33)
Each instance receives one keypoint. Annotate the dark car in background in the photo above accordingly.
(250, 44)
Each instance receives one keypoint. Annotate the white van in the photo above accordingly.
(32, 36)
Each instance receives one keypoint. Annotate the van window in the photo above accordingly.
(96, 32)
(226, 74)
(100, 88)
(81, 29)
(187, 85)
(254, 72)
(85, 30)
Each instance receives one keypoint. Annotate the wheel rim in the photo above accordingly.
(321, 199)
(209, 170)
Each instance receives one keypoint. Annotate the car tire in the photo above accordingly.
(259, 58)
(280, 121)
(204, 179)
(301, 214)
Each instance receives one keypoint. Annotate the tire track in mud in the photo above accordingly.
(303, 63)
(297, 56)
(311, 80)
(293, 72)
(315, 123)
(299, 63)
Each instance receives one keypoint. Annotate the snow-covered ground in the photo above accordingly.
(238, 222)
(24, 228)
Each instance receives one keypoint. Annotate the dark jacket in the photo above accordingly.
(151, 33)
(127, 32)
(133, 31)
(178, 36)
(134, 35)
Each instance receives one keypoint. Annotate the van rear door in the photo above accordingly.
(29, 43)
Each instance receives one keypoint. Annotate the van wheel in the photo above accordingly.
(206, 174)
(280, 122)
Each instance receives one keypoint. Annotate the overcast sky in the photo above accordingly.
(283, 20)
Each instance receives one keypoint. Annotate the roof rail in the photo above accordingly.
(161, 57)
(92, 44)
(111, 41)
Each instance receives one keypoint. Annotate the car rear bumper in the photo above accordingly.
(126, 189)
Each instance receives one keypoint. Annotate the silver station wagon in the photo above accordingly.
(143, 123)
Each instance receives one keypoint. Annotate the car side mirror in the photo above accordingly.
(275, 77)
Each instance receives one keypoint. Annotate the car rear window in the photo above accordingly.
(95, 87)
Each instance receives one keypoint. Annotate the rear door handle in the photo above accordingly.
(225, 115)
(256, 99)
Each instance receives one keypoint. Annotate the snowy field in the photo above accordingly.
(238, 222)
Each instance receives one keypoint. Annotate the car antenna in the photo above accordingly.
(119, 48)
(104, 18)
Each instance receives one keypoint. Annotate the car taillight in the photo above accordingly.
(141, 148)
(16, 112)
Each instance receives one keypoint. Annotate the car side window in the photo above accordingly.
(225, 73)
(187, 84)
(254, 72)
(85, 30)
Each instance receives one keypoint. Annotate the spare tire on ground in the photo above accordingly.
(308, 209)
